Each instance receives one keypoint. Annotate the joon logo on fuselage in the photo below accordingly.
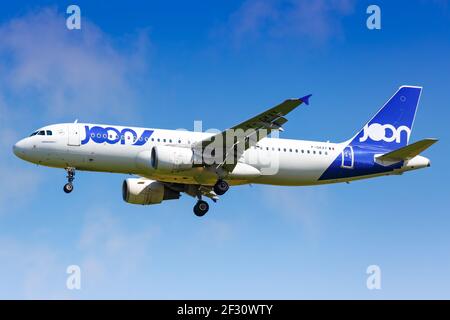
(112, 135)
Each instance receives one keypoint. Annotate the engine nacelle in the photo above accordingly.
(171, 159)
(145, 191)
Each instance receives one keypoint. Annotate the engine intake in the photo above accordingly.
(145, 191)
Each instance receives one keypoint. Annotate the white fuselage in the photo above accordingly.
(118, 149)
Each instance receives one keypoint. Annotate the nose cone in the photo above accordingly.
(19, 149)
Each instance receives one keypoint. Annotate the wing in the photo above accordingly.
(229, 145)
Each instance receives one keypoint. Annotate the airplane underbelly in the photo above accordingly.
(294, 171)
(50, 155)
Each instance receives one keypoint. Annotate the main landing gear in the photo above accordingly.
(221, 187)
(201, 208)
(68, 187)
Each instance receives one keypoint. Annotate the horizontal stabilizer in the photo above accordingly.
(408, 152)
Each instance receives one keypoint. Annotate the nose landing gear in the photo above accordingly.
(68, 187)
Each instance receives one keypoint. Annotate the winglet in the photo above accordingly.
(305, 99)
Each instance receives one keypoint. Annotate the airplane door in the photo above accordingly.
(347, 157)
(73, 134)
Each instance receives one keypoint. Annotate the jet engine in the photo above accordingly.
(171, 159)
(145, 191)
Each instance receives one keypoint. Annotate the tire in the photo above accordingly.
(68, 188)
(201, 208)
(221, 187)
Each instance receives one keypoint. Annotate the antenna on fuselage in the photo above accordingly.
(76, 121)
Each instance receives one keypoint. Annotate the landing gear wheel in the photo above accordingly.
(68, 187)
(201, 208)
(221, 187)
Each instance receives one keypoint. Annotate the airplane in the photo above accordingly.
(167, 163)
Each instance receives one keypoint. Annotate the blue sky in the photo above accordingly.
(168, 63)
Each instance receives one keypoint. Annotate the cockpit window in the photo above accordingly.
(42, 133)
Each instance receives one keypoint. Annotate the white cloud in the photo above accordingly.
(17, 184)
(316, 21)
(49, 70)
(111, 254)
(51, 74)
(17, 187)
(30, 271)
(112, 259)
(217, 232)
(299, 205)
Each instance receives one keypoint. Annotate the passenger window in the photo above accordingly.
(267, 148)
(284, 149)
(164, 140)
(170, 140)
(290, 150)
(320, 152)
(296, 150)
(179, 141)
(303, 151)
(307, 151)
(314, 152)
(158, 139)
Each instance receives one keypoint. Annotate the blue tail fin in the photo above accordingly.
(391, 127)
